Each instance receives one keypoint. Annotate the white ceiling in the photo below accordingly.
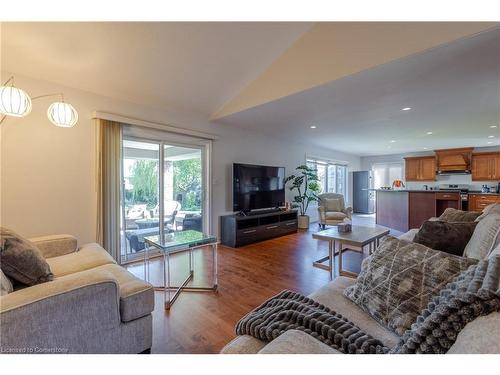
(453, 89)
(454, 92)
(193, 66)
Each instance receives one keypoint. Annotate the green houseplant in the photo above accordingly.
(305, 183)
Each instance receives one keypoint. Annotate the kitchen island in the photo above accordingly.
(406, 209)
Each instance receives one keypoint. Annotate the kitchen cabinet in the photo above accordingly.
(392, 209)
(486, 166)
(407, 209)
(477, 202)
(421, 168)
(422, 206)
(412, 167)
(496, 166)
(428, 169)
(447, 200)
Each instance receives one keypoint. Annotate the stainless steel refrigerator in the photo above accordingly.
(362, 193)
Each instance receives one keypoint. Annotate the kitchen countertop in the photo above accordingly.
(429, 191)
(414, 191)
(478, 192)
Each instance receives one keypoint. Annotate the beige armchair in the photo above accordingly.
(332, 210)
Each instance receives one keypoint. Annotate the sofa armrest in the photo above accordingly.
(321, 212)
(479, 336)
(55, 245)
(67, 314)
(409, 236)
(348, 212)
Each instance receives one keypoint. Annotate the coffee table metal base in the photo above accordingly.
(372, 241)
(330, 258)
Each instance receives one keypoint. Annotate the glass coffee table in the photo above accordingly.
(177, 242)
(356, 239)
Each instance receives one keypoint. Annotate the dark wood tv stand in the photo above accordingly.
(238, 230)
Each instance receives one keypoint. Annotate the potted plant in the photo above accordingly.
(305, 183)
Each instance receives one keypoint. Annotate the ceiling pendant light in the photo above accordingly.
(13, 101)
(62, 114)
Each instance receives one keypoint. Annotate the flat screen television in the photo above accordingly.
(257, 186)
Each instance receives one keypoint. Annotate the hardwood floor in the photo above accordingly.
(203, 322)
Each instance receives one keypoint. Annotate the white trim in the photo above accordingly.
(151, 125)
(323, 159)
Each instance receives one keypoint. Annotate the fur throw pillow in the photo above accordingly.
(448, 237)
(21, 260)
(452, 215)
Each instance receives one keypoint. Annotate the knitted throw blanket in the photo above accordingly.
(290, 310)
(473, 293)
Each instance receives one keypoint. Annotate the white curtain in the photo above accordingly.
(109, 178)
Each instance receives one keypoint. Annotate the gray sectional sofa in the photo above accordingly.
(482, 335)
(92, 306)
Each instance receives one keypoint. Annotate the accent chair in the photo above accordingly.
(332, 209)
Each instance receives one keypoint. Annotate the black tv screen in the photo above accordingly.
(257, 186)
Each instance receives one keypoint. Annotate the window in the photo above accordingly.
(385, 173)
(332, 175)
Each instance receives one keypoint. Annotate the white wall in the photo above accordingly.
(48, 174)
(368, 161)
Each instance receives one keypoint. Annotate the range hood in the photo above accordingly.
(454, 161)
(450, 172)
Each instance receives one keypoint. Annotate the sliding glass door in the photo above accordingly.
(183, 188)
(163, 191)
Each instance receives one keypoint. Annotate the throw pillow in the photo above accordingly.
(448, 237)
(485, 237)
(452, 215)
(5, 284)
(398, 280)
(21, 260)
(333, 204)
(493, 208)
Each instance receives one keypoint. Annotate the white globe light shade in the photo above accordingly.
(62, 114)
(14, 102)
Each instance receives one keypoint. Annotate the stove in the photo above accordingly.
(462, 188)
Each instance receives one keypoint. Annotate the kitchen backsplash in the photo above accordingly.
(452, 179)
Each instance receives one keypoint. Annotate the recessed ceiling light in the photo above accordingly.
(393, 140)
(491, 136)
(406, 108)
(490, 142)
(493, 126)
(429, 133)
(313, 126)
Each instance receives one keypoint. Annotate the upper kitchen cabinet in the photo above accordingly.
(486, 166)
(428, 168)
(454, 160)
(420, 168)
